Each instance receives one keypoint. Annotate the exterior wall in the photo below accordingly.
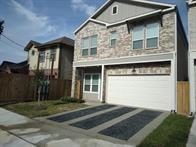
(182, 55)
(124, 42)
(33, 59)
(66, 62)
(48, 63)
(192, 28)
(125, 10)
(90, 97)
(192, 56)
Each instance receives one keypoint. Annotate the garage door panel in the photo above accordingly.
(140, 91)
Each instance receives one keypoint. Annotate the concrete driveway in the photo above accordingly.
(117, 124)
(103, 125)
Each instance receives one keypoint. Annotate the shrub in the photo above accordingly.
(66, 100)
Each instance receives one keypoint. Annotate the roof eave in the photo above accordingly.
(192, 3)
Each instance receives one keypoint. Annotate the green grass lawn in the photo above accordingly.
(32, 110)
(173, 132)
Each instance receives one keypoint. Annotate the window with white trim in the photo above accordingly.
(113, 39)
(89, 46)
(114, 10)
(95, 83)
(87, 83)
(138, 37)
(53, 54)
(93, 45)
(42, 56)
(85, 46)
(91, 82)
(152, 35)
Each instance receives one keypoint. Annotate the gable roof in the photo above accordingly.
(109, 2)
(62, 40)
(13, 65)
(30, 44)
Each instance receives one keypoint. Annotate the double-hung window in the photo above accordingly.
(85, 46)
(89, 46)
(42, 56)
(152, 35)
(95, 82)
(138, 37)
(91, 82)
(113, 39)
(87, 83)
(53, 54)
(93, 45)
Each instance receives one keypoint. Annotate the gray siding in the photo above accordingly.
(192, 28)
(66, 62)
(124, 11)
(182, 55)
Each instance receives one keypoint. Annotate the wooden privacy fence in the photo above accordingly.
(20, 88)
(78, 91)
(59, 88)
(183, 98)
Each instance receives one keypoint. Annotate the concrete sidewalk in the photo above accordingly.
(17, 130)
(192, 136)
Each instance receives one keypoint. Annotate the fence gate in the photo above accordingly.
(183, 98)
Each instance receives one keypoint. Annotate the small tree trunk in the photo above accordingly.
(39, 94)
(35, 93)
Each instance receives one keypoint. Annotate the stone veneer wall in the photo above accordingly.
(142, 68)
(123, 48)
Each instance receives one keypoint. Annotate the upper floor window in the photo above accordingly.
(32, 52)
(42, 56)
(93, 45)
(114, 10)
(152, 35)
(85, 46)
(113, 38)
(89, 46)
(53, 54)
(138, 37)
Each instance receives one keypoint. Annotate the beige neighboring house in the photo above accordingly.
(131, 52)
(192, 53)
(33, 55)
(55, 57)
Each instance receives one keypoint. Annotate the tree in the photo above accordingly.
(39, 80)
(1, 26)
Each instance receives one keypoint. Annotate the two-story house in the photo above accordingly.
(55, 57)
(131, 52)
(192, 53)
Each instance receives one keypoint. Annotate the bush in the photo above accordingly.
(66, 100)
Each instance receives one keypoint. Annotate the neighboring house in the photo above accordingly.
(33, 55)
(11, 67)
(192, 53)
(55, 57)
(131, 52)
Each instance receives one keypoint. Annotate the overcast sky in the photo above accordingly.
(43, 20)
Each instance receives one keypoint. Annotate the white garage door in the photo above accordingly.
(153, 92)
